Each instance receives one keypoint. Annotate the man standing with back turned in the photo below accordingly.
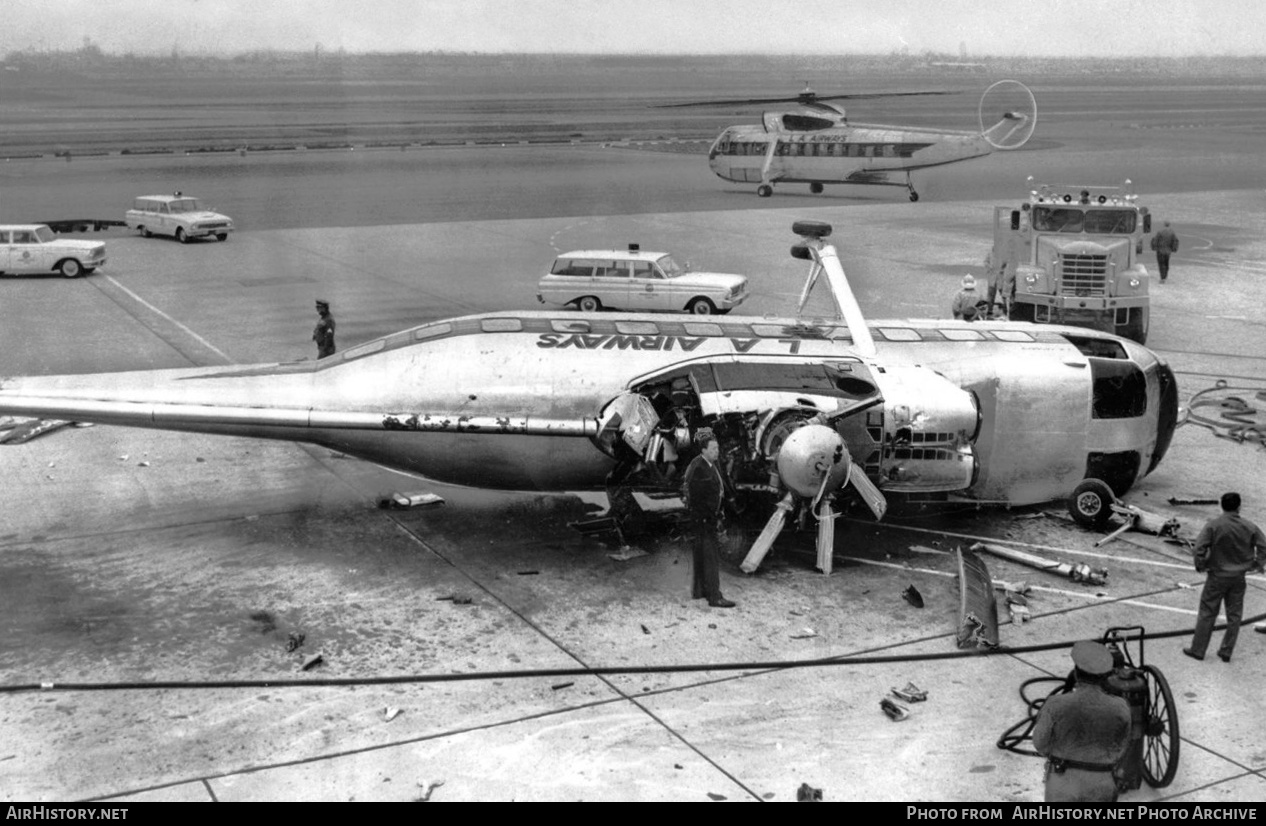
(1165, 243)
(1228, 547)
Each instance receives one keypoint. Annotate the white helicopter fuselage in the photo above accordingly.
(859, 154)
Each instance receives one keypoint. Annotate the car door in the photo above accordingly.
(611, 283)
(25, 254)
(649, 287)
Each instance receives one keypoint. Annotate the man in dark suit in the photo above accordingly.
(705, 493)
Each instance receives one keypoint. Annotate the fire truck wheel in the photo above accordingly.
(1091, 503)
(764, 190)
(1160, 739)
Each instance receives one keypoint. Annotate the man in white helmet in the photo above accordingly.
(965, 301)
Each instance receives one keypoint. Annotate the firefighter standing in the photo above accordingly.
(1165, 243)
(323, 334)
(1084, 733)
(965, 300)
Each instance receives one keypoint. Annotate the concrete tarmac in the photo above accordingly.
(135, 556)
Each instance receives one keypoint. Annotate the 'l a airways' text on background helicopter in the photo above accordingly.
(817, 145)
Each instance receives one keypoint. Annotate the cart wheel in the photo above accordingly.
(1160, 741)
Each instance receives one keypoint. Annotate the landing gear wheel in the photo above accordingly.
(815, 188)
(1160, 739)
(764, 190)
(70, 268)
(1091, 503)
(145, 233)
(180, 235)
(701, 306)
(914, 196)
(589, 304)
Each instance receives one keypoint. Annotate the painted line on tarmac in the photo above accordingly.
(182, 327)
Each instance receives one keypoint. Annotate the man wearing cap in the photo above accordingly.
(965, 301)
(1083, 733)
(323, 335)
(1165, 243)
(1228, 547)
(704, 488)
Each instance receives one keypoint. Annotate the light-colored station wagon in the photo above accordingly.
(632, 279)
(179, 216)
(34, 248)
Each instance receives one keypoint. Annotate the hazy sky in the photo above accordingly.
(999, 27)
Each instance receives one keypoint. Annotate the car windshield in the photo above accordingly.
(186, 205)
(670, 267)
(44, 234)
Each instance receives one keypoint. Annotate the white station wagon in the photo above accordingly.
(34, 248)
(179, 216)
(637, 280)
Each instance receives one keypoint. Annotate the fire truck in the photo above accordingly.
(1071, 255)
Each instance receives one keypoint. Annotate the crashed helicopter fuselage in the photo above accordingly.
(997, 412)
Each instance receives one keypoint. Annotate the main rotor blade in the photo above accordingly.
(766, 539)
(807, 99)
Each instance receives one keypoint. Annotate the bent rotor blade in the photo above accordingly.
(866, 489)
(826, 537)
(766, 539)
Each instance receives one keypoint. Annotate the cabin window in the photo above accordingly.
(501, 325)
(637, 328)
(701, 329)
(1012, 335)
(963, 335)
(900, 334)
(568, 326)
(1120, 389)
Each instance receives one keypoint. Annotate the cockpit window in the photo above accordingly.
(1120, 389)
(818, 379)
(1097, 347)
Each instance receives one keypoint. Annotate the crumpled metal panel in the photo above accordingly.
(978, 611)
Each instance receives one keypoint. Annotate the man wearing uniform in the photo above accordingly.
(323, 335)
(1165, 243)
(705, 492)
(964, 306)
(1228, 547)
(1084, 733)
